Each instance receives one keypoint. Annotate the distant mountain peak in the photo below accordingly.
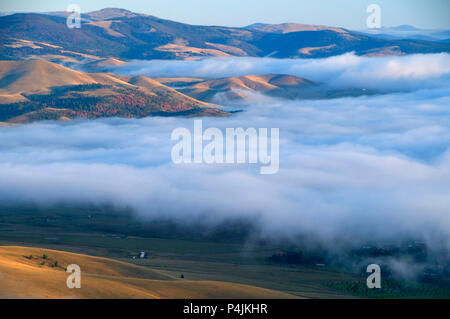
(291, 27)
(125, 35)
(111, 13)
(112, 10)
(256, 25)
(403, 27)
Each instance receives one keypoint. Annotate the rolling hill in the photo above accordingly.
(281, 85)
(101, 64)
(41, 90)
(121, 34)
(245, 87)
(38, 76)
(40, 274)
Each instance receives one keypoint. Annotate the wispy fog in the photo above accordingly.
(348, 70)
(351, 168)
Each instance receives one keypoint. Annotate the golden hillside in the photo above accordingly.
(37, 76)
(102, 64)
(26, 273)
(236, 87)
(41, 90)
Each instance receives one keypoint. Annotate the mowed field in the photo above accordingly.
(40, 273)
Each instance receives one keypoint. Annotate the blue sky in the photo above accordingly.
(346, 13)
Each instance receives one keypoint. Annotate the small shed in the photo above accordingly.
(143, 255)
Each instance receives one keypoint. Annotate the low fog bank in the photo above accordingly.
(355, 168)
(390, 73)
(353, 171)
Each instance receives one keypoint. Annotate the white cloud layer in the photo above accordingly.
(367, 167)
(348, 70)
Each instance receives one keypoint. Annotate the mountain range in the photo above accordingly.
(409, 32)
(41, 59)
(122, 34)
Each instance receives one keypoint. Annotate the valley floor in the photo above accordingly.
(174, 268)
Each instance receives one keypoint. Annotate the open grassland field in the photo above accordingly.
(39, 273)
(170, 256)
(181, 262)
